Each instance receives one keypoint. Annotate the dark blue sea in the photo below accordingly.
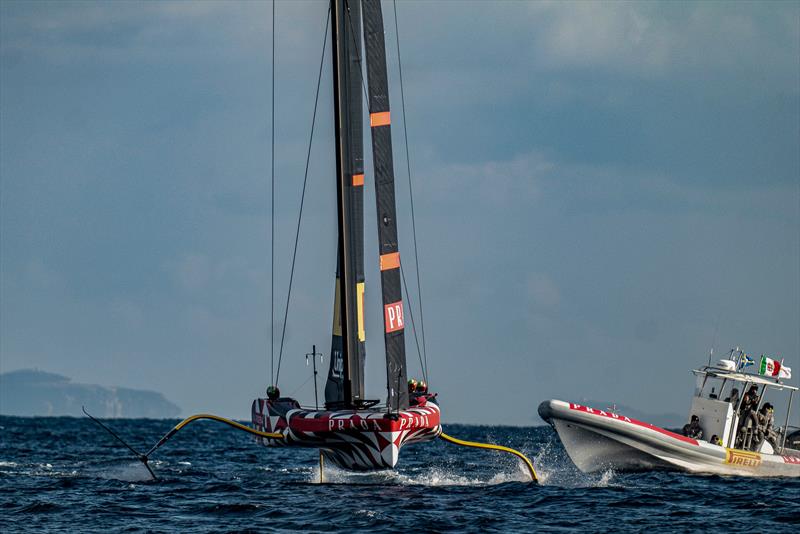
(66, 474)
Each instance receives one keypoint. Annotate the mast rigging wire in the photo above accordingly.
(413, 325)
(272, 223)
(423, 366)
(411, 196)
(303, 195)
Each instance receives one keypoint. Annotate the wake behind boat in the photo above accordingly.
(599, 439)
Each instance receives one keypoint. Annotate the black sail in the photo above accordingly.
(380, 120)
(345, 384)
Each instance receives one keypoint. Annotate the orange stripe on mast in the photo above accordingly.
(390, 261)
(382, 118)
(358, 179)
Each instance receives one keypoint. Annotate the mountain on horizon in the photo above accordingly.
(31, 392)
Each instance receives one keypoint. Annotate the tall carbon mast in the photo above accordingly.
(350, 433)
(345, 385)
(380, 125)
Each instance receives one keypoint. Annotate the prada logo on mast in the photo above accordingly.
(393, 316)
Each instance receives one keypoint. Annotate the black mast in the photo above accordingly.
(380, 121)
(345, 385)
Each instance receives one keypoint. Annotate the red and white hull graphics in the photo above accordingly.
(359, 440)
(597, 440)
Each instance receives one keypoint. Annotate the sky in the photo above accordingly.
(603, 191)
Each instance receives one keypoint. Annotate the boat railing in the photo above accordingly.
(376, 407)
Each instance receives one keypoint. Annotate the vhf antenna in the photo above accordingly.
(314, 355)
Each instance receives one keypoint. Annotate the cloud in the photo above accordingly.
(196, 273)
(542, 290)
(40, 276)
(191, 272)
(535, 181)
(652, 39)
(586, 175)
(128, 312)
(601, 34)
(157, 32)
(495, 182)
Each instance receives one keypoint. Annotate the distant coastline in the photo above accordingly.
(29, 392)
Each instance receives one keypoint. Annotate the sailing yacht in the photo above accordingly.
(353, 432)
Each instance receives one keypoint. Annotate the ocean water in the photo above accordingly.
(66, 474)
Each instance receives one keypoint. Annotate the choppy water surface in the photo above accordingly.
(66, 474)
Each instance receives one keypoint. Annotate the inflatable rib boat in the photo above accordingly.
(598, 439)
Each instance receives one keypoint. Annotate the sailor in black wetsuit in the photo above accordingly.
(747, 418)
(749, 403)
(764, 430)
(693, 429)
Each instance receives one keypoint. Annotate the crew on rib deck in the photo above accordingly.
(749, 402)
(764, 430)
(693, 429)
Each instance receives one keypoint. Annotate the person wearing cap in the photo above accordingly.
(747, 414)
(749, 402)
(419, 395)
(693, 429)
(766, 419)
(280, 405)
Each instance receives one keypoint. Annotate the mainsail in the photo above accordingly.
(380, 120)
(345, 385)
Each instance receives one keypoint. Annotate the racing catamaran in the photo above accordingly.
(600, 439)
(353, 432)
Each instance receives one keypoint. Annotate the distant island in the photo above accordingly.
(31, 392)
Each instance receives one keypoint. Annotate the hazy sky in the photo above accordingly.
(603, 191)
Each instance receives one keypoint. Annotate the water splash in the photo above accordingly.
(433, 477)
(555, 468)
(132, 472)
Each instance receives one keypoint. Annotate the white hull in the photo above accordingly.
(598, 440)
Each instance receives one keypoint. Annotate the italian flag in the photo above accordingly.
(770, 367)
